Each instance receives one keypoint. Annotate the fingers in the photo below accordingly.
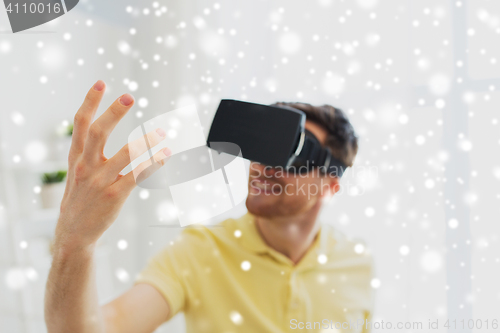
(146, 168)
(84, 116)
(101, 128)
(133, 150)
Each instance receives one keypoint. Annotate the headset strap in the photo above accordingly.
(317, 156)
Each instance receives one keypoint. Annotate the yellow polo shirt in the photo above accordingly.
(226, 279)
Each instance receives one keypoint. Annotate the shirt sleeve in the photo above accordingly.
(163, 272)
(371, 298)
(367, 324)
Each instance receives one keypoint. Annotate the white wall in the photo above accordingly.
(388, 52)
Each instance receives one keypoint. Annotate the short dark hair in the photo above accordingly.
(341, 139)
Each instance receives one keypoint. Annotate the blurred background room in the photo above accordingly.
(418, 79)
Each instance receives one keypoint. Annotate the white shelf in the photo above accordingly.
(44, 215)
(40, 223)
(41, 167)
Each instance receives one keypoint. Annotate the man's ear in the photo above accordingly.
(334, 185)
(331, 186)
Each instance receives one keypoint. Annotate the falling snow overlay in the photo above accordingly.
(418, 79)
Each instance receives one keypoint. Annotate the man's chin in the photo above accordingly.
(259, 205)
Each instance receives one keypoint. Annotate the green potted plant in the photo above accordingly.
(52, 188)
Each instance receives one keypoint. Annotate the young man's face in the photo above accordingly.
(274, 193)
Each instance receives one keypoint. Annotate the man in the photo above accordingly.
(276, 269)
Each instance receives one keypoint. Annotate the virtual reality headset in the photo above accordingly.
(270, 135)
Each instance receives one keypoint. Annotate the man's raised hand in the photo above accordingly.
(95, 188)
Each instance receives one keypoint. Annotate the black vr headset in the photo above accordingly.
(270, 135)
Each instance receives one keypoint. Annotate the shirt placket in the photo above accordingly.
(294, 303)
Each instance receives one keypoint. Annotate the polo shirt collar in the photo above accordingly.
(253, 241)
